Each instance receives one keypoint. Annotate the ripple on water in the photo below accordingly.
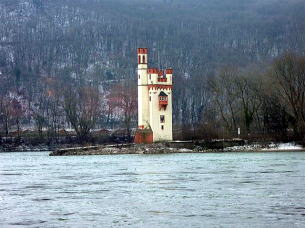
(11, 174)
(62, 219)
(248, 182)
(19, 194)
(159, 212)
(69, 178)
(37, 186)
(125, 174)
(178, 189)
(41, 199)
(28, 222)
(67, 214)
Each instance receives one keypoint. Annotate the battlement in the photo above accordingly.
(142, 51)
(169, 71)
(152, 71)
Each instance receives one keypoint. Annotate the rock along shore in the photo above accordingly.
(176, 147)
(119, 149)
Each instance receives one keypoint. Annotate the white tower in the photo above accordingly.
(143, 109)
(154, 102)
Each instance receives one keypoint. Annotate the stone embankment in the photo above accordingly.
(119, 149)
(215, 146)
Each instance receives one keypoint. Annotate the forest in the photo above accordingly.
(68, 67)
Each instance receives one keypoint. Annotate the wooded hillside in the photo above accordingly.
(89, 47)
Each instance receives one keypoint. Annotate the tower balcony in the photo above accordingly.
(163, 102)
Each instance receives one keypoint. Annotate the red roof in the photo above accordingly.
(142, 51)
(169, 71)
(152, 71)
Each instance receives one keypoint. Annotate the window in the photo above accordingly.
(162, 119)
(149, 98)
(139, 59)
(162, 127)
(139, 77)
(149, 77)
(143, 59)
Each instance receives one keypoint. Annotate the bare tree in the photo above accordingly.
(289, 75)
(123, 97)
(249, 90)
(5, 113)
(225, 96)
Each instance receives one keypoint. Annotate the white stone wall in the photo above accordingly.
(153, 79)
(153, 112)
(165, 134)
(143, 109)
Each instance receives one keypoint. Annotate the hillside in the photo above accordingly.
(95, 41)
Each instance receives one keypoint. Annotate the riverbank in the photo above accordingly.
(179, 147)
(28, 144)
(200, 146)
(33, 148)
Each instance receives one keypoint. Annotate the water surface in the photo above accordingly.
(176, 190)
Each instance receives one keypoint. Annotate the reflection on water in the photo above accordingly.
(178, 190)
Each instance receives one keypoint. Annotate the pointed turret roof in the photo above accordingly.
(162, 94)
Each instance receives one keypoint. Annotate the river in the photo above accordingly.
(173, 190)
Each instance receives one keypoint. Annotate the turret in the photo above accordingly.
(169, 76)
(143, 98)
(142, 56)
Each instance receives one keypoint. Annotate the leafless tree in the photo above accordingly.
(289, 75)
(225, 96)
(249, 91)
(123, 98)
(82, 107)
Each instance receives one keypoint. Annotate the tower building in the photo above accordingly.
(154, 102)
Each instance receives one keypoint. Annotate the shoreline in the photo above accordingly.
(193, 152)
(203, 146)
(164, 148)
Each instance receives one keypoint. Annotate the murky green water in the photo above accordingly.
(177, 190)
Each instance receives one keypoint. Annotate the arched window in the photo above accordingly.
(139, 59)
(143, 59)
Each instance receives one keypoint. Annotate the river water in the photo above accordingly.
(176, 190)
